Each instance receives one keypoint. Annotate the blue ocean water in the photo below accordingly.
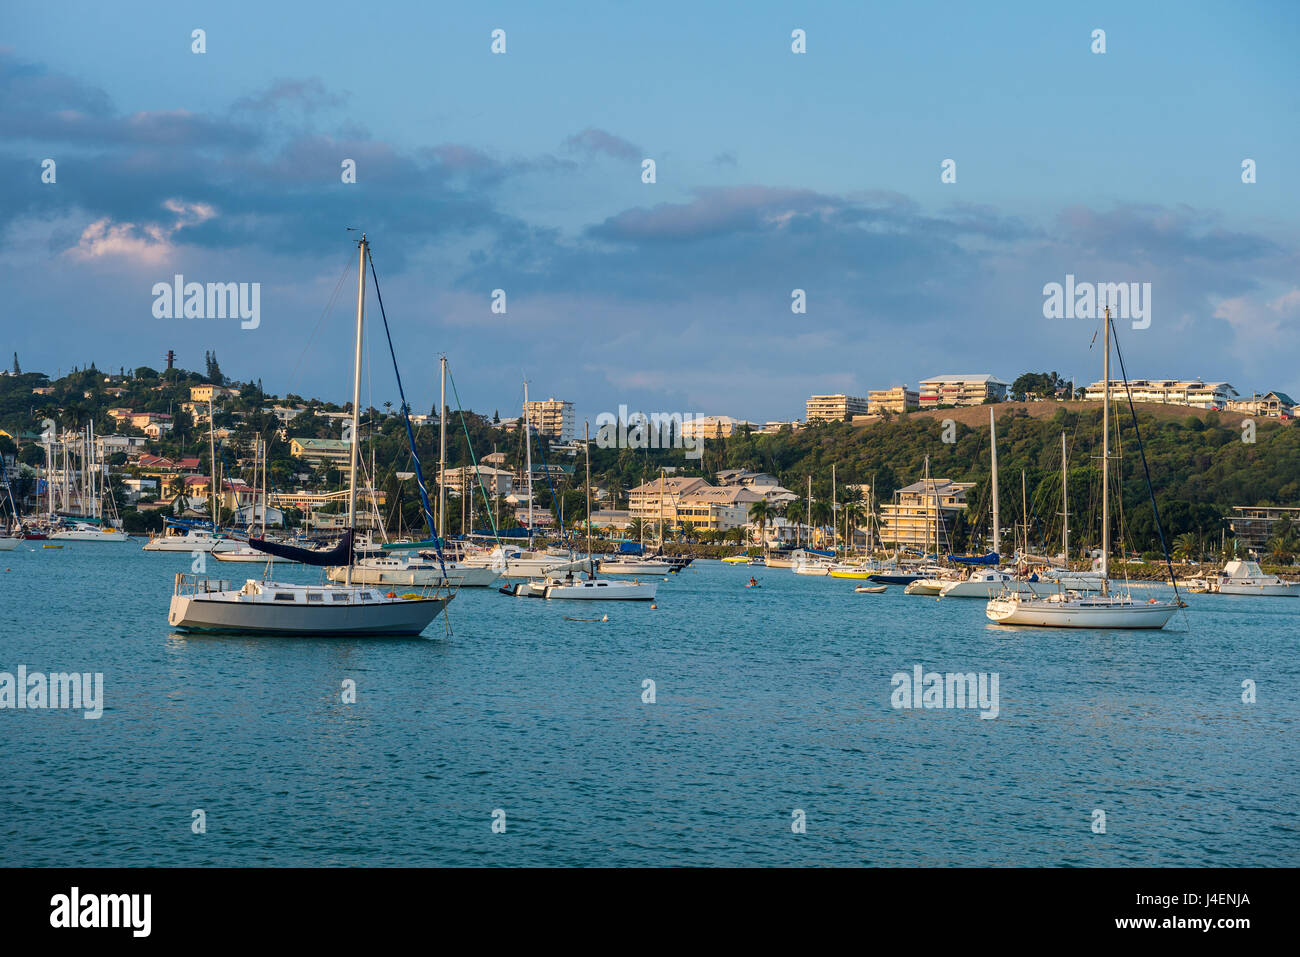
(767, 701)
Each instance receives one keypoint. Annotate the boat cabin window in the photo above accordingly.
(314, 596)
(283, 596)
(338, 597)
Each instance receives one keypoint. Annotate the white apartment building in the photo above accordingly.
(834, 408)
(1189, 392)
(552, 417)
(961, 390)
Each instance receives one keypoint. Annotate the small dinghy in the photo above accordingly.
(601, 618)
(871, 589)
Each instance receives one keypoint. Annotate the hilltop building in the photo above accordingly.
(834, 408)
(961, 390)
(552, 418)
(899, 399)
(1189, 392)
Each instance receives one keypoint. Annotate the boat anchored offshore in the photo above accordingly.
(1107, 609)
(280, 608)
(1247, 578)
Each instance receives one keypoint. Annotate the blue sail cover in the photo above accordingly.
(990, 559)
(340, 554)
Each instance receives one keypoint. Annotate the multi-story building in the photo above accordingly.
(834, 408)
(713, 426)
(961, 390)
(552, 418)
(647, 501)
(1253, 524)
(898, 399)
(467, 478)
(210, 393)
(1276, 405)
(922, 514)
(321, 451)
(713, 509)
(1189, 392)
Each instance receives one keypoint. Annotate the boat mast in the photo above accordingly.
(442, 446)
(1065, 506)
(212, 460)
(528, 462)
(808, 515)
(1024, 508)
(356, 404)
(661, 505)
(993, 440)
(262, 445)
(1105, 455)
(835, 519)
(586, 442)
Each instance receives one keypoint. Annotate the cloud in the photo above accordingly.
(146, 244)
(593, 141)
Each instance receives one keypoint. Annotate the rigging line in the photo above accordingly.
(487, 507)
(329, 307)
(1169, 563)
(406, 417)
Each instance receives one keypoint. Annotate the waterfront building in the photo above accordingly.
(467, 478)
(552, 418)
(834, 408)
(713, 509)
(1188, 392)
(898, 399)
(961, 390)
(923, 513)
(1253, 524)
(646, 501)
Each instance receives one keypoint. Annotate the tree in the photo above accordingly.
(1187, 547)
(760, 512)
(796, 513)
(213, 369)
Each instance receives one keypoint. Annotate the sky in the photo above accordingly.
(774, 171)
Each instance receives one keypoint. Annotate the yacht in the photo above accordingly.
(281, 608)
(1247, 578)
(1072, 609)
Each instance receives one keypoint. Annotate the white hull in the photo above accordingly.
(1080, 612)
(1277, 590)
(988, 588)
(458, 576)
(928, 586)
(9, 544)
(600, 590)
(633, 568)
(254, 609)
(248, 555)
(185, 543)
(522, 568)
(88, 535)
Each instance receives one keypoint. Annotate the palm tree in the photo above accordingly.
(795, 512)
(686, 530)
(1187, 546)
(760, 512)
(821, 515)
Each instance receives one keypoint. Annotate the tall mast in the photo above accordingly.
(528, 462)
(442, 446)
(212, 457)
(993, 439)
(261, 443)
(1065, 506)
(835, 519)
(586, 442)
(662, 483)
(1024, 508)
(1105, 455)
(808, 516)
(356, 403)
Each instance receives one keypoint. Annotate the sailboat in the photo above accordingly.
(89, 527)
(281, 608)
(1072, 609)
(591, 588)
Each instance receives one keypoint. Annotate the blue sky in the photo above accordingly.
(775, 171)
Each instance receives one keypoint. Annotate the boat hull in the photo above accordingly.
(1275, 590)
(634, 568)
(602, 591)
(9, 544)
(458, 576)
(1079, 614)
(202, 613)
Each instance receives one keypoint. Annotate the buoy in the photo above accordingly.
(653, 606)
(392, 594)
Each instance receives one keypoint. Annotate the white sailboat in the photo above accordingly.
(1107, 609)
(279, 608)
(572, 588)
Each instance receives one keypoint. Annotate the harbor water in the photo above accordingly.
(725, 726)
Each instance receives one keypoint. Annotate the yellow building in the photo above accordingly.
(552, 418)
(834, 408)
(898, 399)
(922, 514)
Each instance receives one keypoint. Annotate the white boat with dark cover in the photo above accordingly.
(281, 608)
(1247, 578)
